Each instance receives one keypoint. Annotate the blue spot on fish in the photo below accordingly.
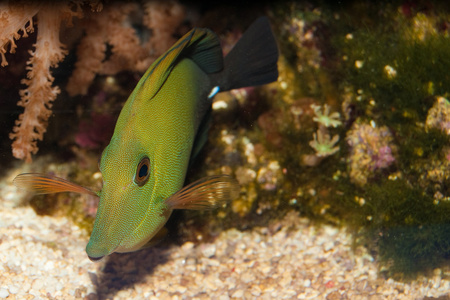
(213, 92)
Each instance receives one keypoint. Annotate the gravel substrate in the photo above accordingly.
(43, 257)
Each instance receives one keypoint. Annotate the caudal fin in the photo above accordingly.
(253, 60)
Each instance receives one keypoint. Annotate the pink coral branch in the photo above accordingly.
(14, 17)
(162, 17)
(109, 27)
(87, 66)
(37, 98)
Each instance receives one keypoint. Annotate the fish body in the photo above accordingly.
(163, 130)
(159, 130)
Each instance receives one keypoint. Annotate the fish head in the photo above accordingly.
(129, 211)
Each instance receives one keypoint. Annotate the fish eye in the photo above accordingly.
(142, 172)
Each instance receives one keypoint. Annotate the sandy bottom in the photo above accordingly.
(43, 257)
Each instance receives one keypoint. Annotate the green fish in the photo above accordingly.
(161, 128)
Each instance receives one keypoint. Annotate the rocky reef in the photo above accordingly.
(354, 133)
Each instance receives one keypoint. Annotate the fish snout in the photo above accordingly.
(96, 250)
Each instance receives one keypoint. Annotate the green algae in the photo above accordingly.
(418, 65)
(411, 229)
(399, 217)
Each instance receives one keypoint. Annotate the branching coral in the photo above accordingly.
(12, 19)
(37, 98)
(108, 26)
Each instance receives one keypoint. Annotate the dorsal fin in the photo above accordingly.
(200, 44)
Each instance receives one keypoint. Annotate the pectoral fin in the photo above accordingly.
(48, 184)
(205, 193)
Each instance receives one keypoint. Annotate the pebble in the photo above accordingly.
(238, 294)
(307, 283)
(4, 293)
(224, 297)
(13, 289)
(208, 250)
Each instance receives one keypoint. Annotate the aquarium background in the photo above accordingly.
(343, 163)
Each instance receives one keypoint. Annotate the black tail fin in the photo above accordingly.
(253, 60)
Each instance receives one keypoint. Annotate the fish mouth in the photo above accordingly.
(94, 259)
